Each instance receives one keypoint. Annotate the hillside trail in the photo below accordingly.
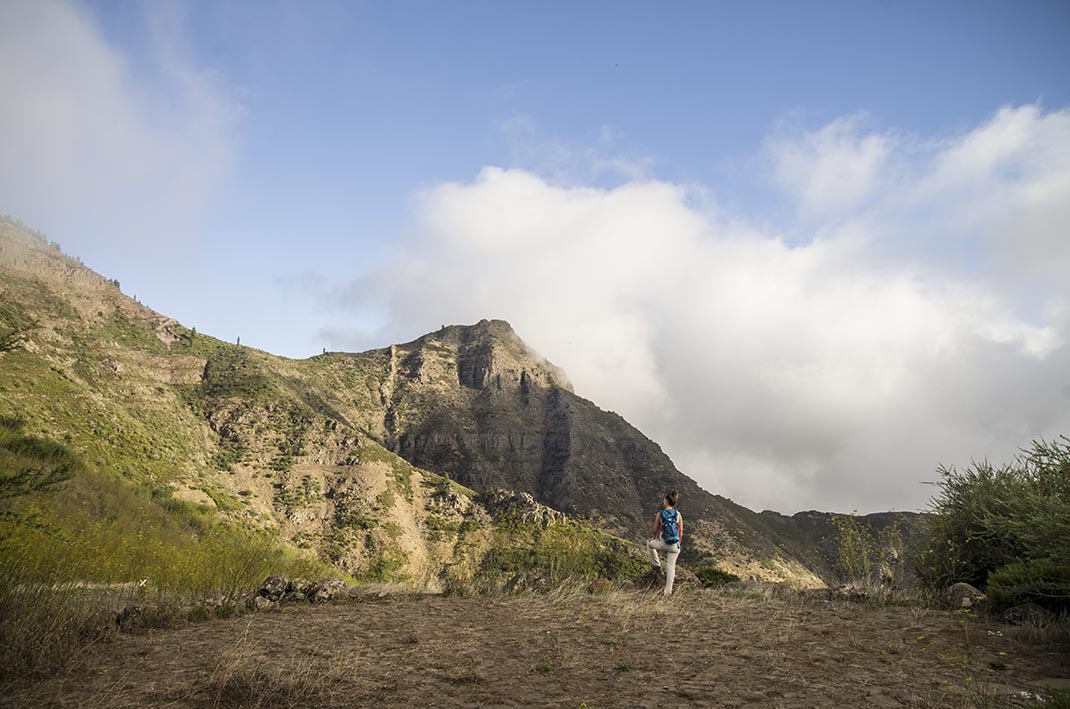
(698, 648)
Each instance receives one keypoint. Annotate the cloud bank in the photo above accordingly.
(97, 149)
(920, 318)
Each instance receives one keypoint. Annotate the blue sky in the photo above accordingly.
(343, 175)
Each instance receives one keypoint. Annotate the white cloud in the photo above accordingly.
(828, 374)
(90, 152)
(1006, 185)
(832, 169)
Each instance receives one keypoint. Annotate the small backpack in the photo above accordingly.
(670, 527)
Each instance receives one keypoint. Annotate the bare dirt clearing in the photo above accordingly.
(699, 648)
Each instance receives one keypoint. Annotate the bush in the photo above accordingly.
(1047, 585)
(986, 518)
(564, 550)
(866, 555)
(712, 577)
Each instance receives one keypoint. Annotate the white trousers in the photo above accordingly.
(671, 552)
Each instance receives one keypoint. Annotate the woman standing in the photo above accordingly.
(668, 534)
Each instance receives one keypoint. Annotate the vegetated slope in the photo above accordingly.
(157, 406)
(347, 454)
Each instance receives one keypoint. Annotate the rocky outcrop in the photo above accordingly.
(278, 589)
(274, 587)
(520, 507)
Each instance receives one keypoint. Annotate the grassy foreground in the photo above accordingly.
(570, 648)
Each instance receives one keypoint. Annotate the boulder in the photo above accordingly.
(274, 587)
(328, 589)
(1028, 613)
(963, 595)
(259, 603)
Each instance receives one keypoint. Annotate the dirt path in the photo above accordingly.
(700, 648)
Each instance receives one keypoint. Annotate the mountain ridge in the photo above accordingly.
(293, 442)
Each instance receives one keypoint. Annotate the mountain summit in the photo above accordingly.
(478, 404)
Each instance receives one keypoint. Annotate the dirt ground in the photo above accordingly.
(622, 649)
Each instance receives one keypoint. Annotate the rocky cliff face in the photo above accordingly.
(477, 404)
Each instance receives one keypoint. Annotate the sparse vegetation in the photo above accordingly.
(866, 557)
(712, 577)
(565, 648)
(13, 337)
(227, 456)
(305, 493)
(29, 465)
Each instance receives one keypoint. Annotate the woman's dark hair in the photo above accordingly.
(671, 498)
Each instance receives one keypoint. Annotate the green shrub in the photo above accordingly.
(618, 564)
(986, 518)
(227, 456)
(712, 577)
(386, 566)
(1047, 585)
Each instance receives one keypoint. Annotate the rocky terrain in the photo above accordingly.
(376, 461)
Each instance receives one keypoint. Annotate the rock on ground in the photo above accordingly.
(1028, 613)
(963, 595)
(274, 587)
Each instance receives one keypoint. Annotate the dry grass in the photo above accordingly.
(244, 677)
(1048, 636)
(44, 629)
(622, 648)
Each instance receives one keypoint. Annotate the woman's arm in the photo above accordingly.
(657, 525)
